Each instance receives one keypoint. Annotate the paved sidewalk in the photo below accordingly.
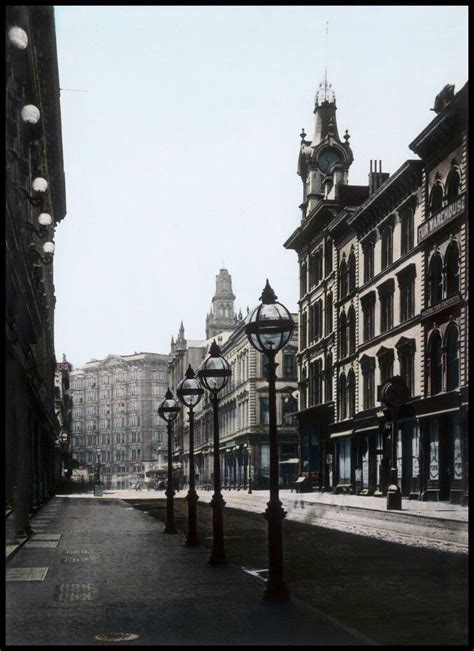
(96, 566)
(431, 525)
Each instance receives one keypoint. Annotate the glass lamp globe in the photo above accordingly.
(40, 184)
(214, 371)
(30, 113)
(18, 37)
(169, 408)
(44, 219)
(269, 326)
(48, 247)
(189, 390)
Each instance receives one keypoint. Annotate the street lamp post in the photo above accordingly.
(214, 373)
(394, 394)
(269, 329)
(168, 411)
(189, 392)
(98, 489)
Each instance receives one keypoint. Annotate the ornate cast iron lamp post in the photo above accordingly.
(168, 411)
(189, 392)
(214, 373)
(394, 394)
(269, 329)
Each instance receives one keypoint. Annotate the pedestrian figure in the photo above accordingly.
(82, 484)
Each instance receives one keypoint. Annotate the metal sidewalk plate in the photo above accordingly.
(26, 573)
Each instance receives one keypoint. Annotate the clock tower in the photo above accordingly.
(324, 161)
(222, 316)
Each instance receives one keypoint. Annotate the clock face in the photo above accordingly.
(327, 158)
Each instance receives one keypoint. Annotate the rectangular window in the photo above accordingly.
(369, 318)
(407, 299)
(407, 232)
(369, 387)
(368, 261)
(386, 311)
(289, 366)
(264, 414)
(387, 253)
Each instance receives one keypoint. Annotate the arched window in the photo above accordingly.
(351, 273)
(343, 279)
(452, 358)
(343, 334)
(452, 269)
(342, 396)
(351, 328)
(453, 183)
(436, 197)
(436, 363)
(350, 391)
(436, 278)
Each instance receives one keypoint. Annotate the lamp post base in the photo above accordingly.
(276, 592)
(192, 539)
(218, 556)
(394, 495)
(170, 530)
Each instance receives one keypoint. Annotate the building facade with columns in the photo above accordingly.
(114, 413)
(35, 202)
(398, 302)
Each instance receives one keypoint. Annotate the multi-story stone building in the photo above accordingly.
(115, 402)
(400, 308)
(243, 406)
(323, 165)
(35, 203)
(442, 238)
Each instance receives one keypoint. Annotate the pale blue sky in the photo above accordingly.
(182, 155)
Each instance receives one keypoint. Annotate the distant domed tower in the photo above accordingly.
(222, 315)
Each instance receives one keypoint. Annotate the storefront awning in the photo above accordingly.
(347, 432)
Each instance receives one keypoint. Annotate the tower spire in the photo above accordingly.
(326, 59)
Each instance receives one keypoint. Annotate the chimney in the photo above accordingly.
(376, 177)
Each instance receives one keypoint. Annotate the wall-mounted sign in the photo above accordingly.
(63, 366)
(445, 215)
